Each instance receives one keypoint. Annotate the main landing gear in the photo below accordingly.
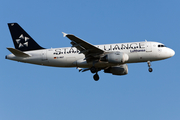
(149, 65)
(95, 70)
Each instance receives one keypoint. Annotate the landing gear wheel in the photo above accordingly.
(149, 65)
(93, 69)
(96, 77)
(150, 69)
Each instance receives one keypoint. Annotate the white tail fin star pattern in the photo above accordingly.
(22, 41)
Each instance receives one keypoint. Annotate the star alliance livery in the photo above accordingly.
(112, 58)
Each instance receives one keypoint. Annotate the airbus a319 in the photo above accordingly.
(111, 58)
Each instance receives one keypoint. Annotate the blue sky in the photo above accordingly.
(31, 92)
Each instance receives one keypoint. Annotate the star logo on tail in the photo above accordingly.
(22, 41)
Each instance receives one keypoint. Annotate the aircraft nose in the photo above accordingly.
(172, 52)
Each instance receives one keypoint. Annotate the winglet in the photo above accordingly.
(18, 53)
(64, 34)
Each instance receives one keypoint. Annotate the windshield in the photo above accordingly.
(161, 45)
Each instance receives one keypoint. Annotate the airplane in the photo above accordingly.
(112, 58)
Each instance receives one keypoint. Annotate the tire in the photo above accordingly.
(150, 69)
(96, 77)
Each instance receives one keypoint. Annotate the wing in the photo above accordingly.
(90, 51)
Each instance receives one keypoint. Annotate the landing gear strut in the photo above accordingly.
(93, 69)
(149, 65)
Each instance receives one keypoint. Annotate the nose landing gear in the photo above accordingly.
(149, 65)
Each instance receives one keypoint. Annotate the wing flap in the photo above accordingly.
(18, 53)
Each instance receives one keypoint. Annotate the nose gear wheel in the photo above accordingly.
(150, 69)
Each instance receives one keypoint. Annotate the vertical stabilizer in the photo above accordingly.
(21, 39)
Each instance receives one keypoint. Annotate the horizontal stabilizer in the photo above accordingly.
(18, 53)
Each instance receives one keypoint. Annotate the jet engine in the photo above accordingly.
(116, 57)
(117, 70)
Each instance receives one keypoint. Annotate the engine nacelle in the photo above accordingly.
(117, 57)
(117, 70)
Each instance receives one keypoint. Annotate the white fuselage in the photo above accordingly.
(71, 57)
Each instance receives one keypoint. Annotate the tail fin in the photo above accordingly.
(21, 39)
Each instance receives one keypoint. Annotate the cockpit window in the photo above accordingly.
(161, 45)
